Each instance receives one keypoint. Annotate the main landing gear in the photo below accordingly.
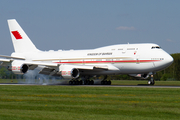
(75, 82)
(151, 81)
(87, 81)
(80, 82)
(105, 82)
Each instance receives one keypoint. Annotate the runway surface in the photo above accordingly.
(138, 86)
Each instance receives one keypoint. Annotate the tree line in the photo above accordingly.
(170, 73)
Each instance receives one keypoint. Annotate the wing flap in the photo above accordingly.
(85, 67)
(105, 67)
(47, 71)
(41, 63)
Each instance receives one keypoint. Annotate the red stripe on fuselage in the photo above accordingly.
(119, 61)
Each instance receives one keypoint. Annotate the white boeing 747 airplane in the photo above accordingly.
(138, 60)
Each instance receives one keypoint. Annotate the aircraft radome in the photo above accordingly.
(138, 60)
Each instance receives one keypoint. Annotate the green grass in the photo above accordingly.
(8, 80)
(18, 102)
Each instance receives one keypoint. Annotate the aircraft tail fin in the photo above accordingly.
(21, 41)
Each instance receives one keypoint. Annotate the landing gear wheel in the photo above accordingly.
(70, 83)
(151, 82)
(80, 82)
(102, 82)
(85, 82)
(92, 82)
(109, 82)
(75, 82)
(89, 82)
(105, 82)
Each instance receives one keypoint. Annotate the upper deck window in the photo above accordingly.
(156, 47)
(130, 48)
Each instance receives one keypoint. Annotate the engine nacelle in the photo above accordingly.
(18, 67)
(69, 72)
(140, 76)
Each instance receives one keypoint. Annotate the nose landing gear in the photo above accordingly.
(151, 81)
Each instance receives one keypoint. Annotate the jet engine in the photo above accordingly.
(140, 76)
(69, 72)
(18, 67)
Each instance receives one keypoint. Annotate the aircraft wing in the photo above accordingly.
(9, 57)
(89, 67)
(20, 66)
(51, 70)
(41, 63)
(4, 60)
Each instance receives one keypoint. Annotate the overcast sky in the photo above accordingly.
(88, 24)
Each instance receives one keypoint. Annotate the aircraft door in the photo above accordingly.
(152, 62)
(137, 59)
(124, 49)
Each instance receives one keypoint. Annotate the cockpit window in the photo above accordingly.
(156, 47)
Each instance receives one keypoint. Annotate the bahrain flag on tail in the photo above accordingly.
(16, 34)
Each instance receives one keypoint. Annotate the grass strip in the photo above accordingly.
(78, 102)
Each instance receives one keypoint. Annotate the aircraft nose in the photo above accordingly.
(169, 59)
(166, 62)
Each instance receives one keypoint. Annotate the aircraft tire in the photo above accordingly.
(92, 82)
(78, 82)
(102, 82)
(74, 82)
(105, 82)
(70, 82)
(109, 82)
(153, 82)
(85, 82)
(89, 82)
